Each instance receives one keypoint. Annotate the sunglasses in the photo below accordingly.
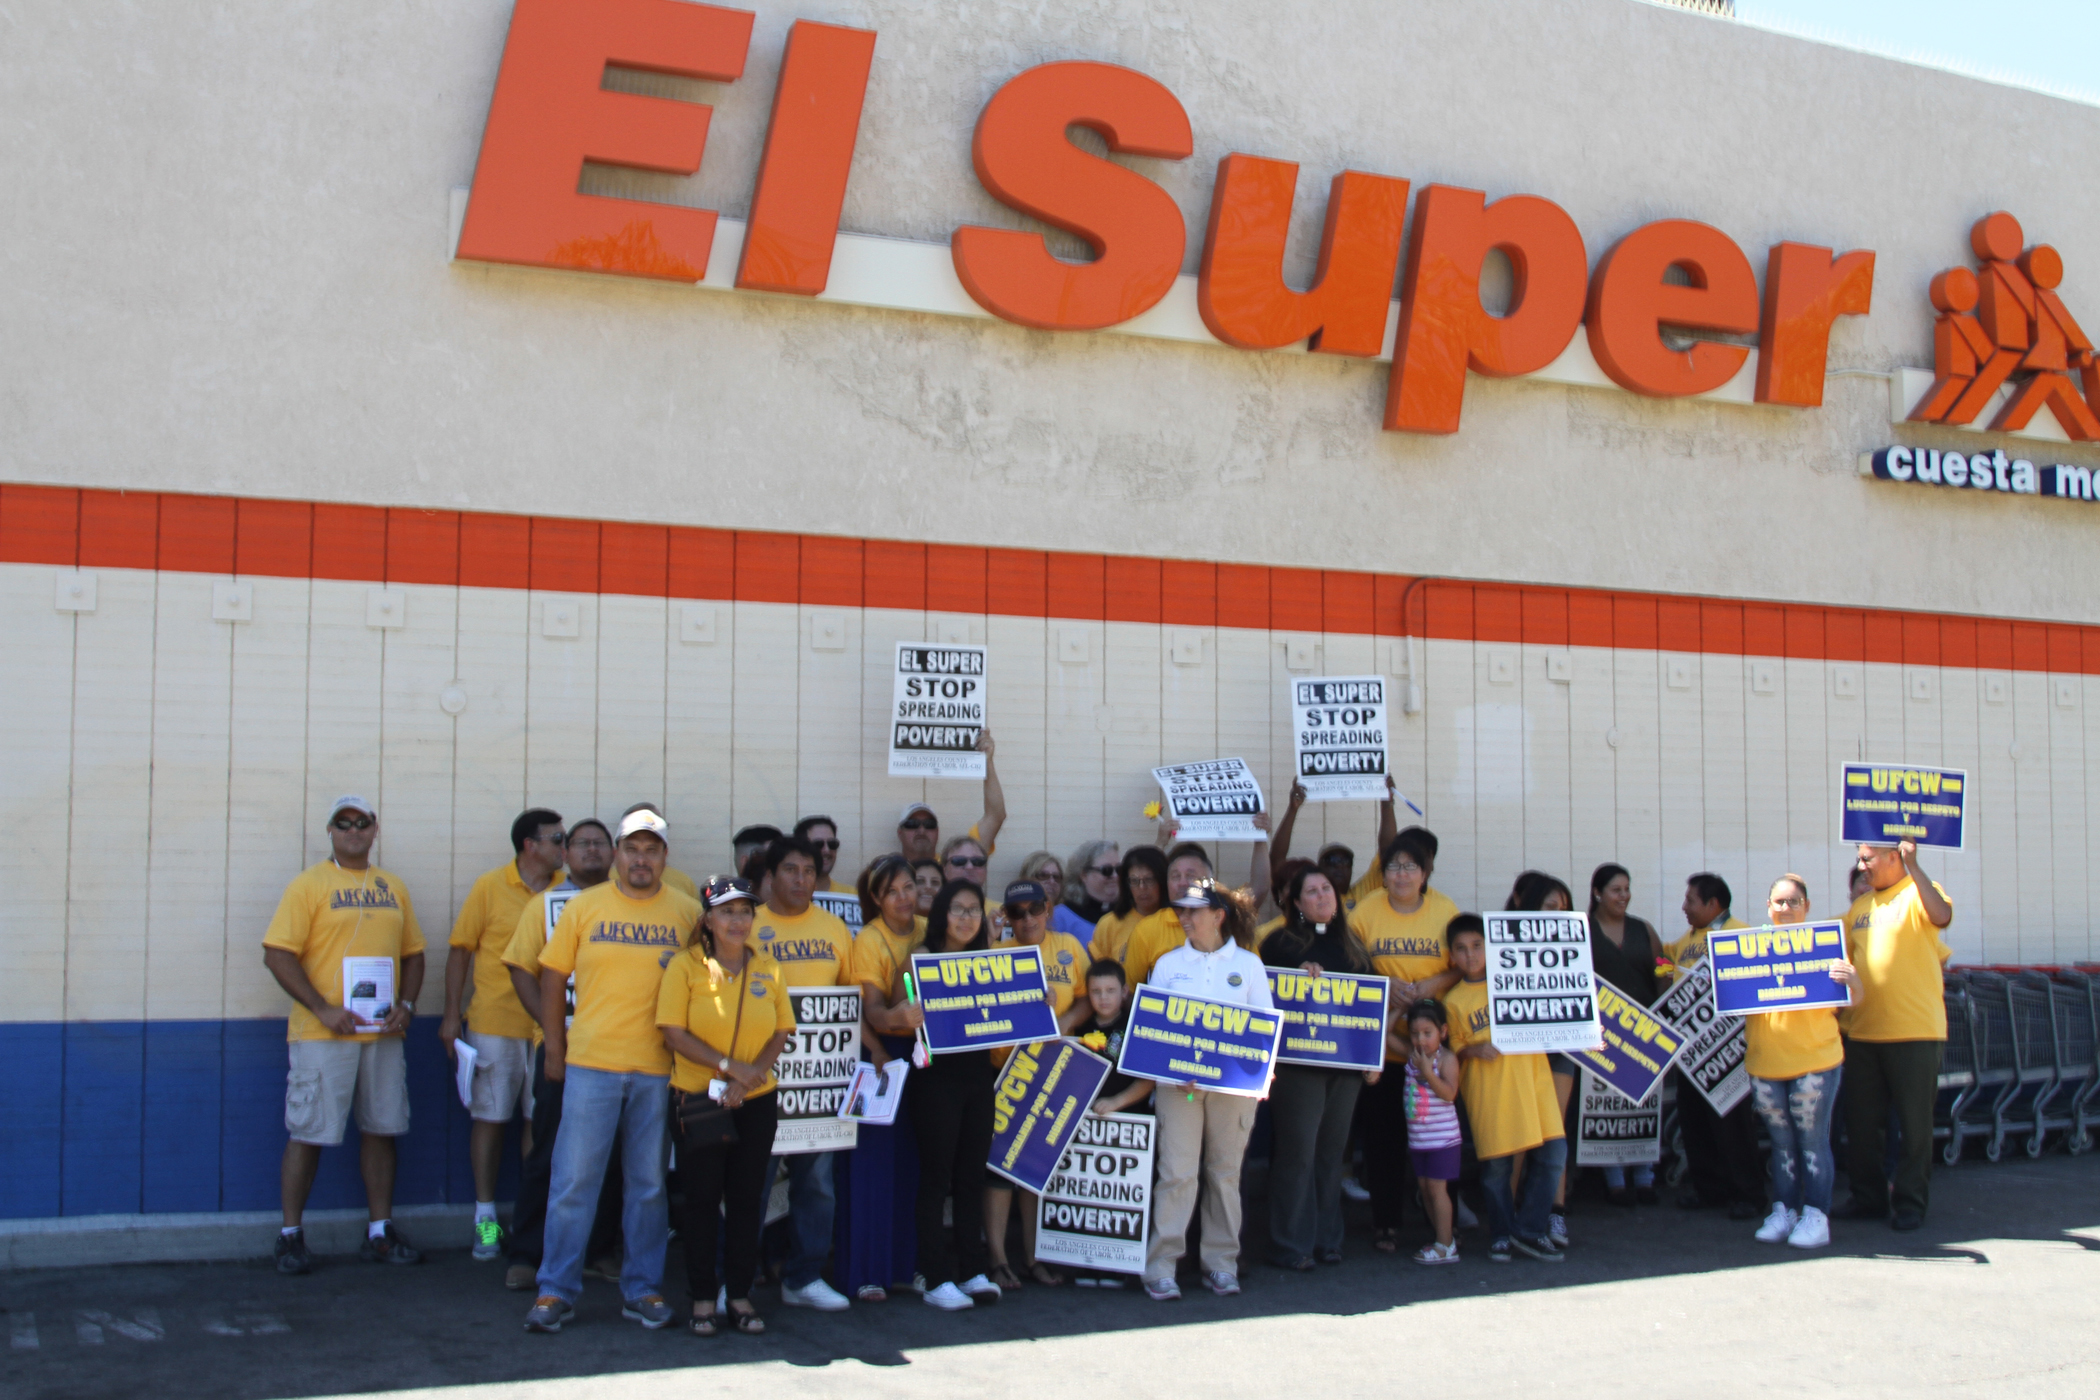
(918, 824)
(352, 823)
(1105, 871)
(825, 845)
(1024, 911)
(977, 861)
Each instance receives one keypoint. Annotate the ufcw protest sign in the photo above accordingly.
(1338, 734)
(975, 1001)
(1046, 1090)
(1612, 1130)
(814, 1070)
(1336, 1020)
(1542, 995)
(1880, 804)
(1714, 1045)
(1638, 1048)
(1221, 1046)
(1214, 801)
(1097, 1203)
(1782, 967)
(937, 711)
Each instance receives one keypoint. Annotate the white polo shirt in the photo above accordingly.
(1229, 974)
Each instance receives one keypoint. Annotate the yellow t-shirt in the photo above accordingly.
(1899, 954)
(488, 920)
(1789, 1044)
(678, 880)
(825, 885)
(1406, 947)
(699, 996)
(814, 948)
(328, 914)
(1692, 946)
(1156, 935)
(1509, 1101)
(1111, 938)
(1065, 961)
(618, 946)
(1371, 882)
(527, 937)
(879, 955)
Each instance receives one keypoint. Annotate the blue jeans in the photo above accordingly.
(812, 1209)
(1797, 1116)
(1643, 1176)
(1542, 1168)
(597, 1107)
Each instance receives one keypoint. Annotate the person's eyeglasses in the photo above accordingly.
(918, 824)
(352, 823)
(977, 861)
(1024, 911)
(1405, 867)
(1107, 872)
(1787, 901)
(825, 845)
(557, 839)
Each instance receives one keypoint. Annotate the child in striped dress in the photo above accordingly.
(1432, 1121)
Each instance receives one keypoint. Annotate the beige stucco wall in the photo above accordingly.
(223, 268)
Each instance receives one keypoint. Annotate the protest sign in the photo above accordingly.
(1714, 1045)
(1880, 804)
(1638, 1047)
(874, 1095)
(937, 711)
(814, 1070)
(1214, 801)
(1221, 1046)
(1612, 1130)
(557, 900)
(1045, 1091)
(1336, 1020)
(1095, 1207)
(1541, 988)
(1783, 967)
(844, 905)
(974, 1001)
(1338, 736)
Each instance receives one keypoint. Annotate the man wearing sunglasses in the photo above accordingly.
(498, 1027)
(822, 833)
(342, 915)
(919, 830)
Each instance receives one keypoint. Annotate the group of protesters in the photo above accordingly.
(636, 1033)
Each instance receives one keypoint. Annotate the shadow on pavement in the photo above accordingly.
(238, 1330)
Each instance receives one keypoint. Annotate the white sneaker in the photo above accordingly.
(819, 1295)
(949, 1298)
(1354, 1190)
(1779, 1224)
(1811, 1231)
(1463, 1216)
(981, 1289)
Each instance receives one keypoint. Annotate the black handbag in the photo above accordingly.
(704, 1121)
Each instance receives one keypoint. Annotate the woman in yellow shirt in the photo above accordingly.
(725, 1015)
(1141, 888)
(1796, 1060)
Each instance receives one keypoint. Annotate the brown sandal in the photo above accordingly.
(1386, 1241)
(705, 1324)
(748, 1321)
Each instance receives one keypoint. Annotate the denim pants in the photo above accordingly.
(1643, 1176)
(598, 1107)
(1797, 1115)
(812, 1209)
(1542, 1168)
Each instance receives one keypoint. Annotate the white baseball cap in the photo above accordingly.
(350, 802)
(905, 815)
(644, 820)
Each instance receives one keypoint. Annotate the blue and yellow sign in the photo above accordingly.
(1638, 1047)
(1880, 804)
(1039, 1104)
(1335, 1020)
(977, 1001)
(1784, 967)
(1217, 1045)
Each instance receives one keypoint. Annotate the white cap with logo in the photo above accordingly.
(350, 802)
(642, 819)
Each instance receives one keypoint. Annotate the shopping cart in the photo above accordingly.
(1957, 1083)
(2040, 1050)
(2077, 997)
(2020, 1043)
(1996, 1067)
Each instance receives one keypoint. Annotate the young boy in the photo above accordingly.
(1102, 1032)
(1510, 1104)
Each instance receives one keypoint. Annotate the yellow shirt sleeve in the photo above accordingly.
(1371, 882)
(526, 940)
(473, 913)
(675, 991)
(560, 952)
(293, 923)
(680, 881)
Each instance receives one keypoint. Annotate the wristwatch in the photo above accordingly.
(409, 1007)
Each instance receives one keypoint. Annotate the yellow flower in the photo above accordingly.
(1094, 1040)
(1152, 810)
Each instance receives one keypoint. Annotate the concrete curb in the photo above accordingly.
(74, 1241)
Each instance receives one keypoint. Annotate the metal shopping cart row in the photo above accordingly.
(2022, 1060)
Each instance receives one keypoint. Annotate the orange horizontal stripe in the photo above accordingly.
(80, 528)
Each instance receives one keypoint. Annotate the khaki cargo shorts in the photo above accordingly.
(329, 1076)
(502, 1077)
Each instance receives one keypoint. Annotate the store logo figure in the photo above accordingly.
(2003, 321)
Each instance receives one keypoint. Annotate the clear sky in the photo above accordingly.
(2053, 45)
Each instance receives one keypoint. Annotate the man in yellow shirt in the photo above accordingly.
(497, 1024)
(1896, 1033)
(673, 878)
(919, 830)
(345, 946)
(814, 948)
(822, 833)
(615, 1071)
(1720, 1150)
